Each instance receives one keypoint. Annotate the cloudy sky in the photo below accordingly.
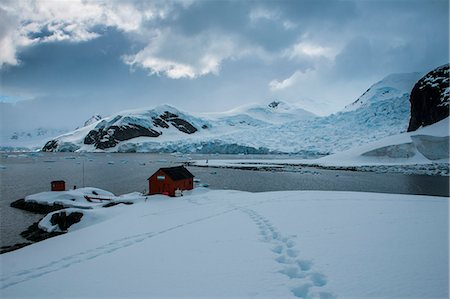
(62, 61)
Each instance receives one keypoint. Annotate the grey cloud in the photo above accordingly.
(355, 60)
(366, 40)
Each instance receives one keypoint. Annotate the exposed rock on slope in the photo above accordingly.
(166, 129)
(430, 98)
(109, 132)
(110, 136)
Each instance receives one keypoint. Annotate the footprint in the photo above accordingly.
(278, 249)
(304, 265)
(289, 243)
(282, 259)
(276, 235)
(318, 279)
(292, 252)
(292, 272)
(302, 290)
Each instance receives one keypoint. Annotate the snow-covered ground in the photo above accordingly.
(211, 244)
(425, 151)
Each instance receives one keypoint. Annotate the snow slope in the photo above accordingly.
(213, 244)
(392, 86)
(426, 145)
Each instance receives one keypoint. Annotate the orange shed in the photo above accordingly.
(58, 186)
(167, 180)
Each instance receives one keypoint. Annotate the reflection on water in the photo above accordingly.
(23, 174)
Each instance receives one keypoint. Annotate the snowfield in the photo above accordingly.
(296, 244)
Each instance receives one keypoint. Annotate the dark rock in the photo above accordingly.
(65, 221)
(35, 234)
(274, 104)
(50, 146)
(5, 249)
(115, 203)
(35, 207)
(160, 123)
(108, 137)
(183, 126)
(178, 123)
(430, 99)
(132, 131)
(91, 137)
(168, 115)
(108, 134)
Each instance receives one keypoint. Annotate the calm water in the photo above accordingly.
(23, 174)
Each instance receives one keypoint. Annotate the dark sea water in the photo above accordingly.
(24, 174)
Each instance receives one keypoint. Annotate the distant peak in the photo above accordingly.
(93, 119)
(274, 104)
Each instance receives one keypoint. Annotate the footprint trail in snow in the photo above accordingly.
(308, 283)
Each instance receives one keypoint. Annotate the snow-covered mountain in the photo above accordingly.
(165, 128)
(26, 140)
(94, 118)
(392, 86)
(276, 112)
(383, 110)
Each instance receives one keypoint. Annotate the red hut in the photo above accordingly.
(168, 180)
(58, 185)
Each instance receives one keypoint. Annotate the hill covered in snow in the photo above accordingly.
(165, 128)
(278, 127)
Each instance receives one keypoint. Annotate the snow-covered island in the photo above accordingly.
(296, 244)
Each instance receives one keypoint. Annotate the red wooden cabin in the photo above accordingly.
(58, 186)
(167, 180)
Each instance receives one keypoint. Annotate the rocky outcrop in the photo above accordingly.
(178, 123)
(430, 99)
(50, 146)
(35, 207)
(109, 134)
(57, 146)
(108, 137)
(35, 234)
(64, 220)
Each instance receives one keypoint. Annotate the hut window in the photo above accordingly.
(161, 177)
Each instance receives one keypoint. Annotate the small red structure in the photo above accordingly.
(58, 186)
(168, 180)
